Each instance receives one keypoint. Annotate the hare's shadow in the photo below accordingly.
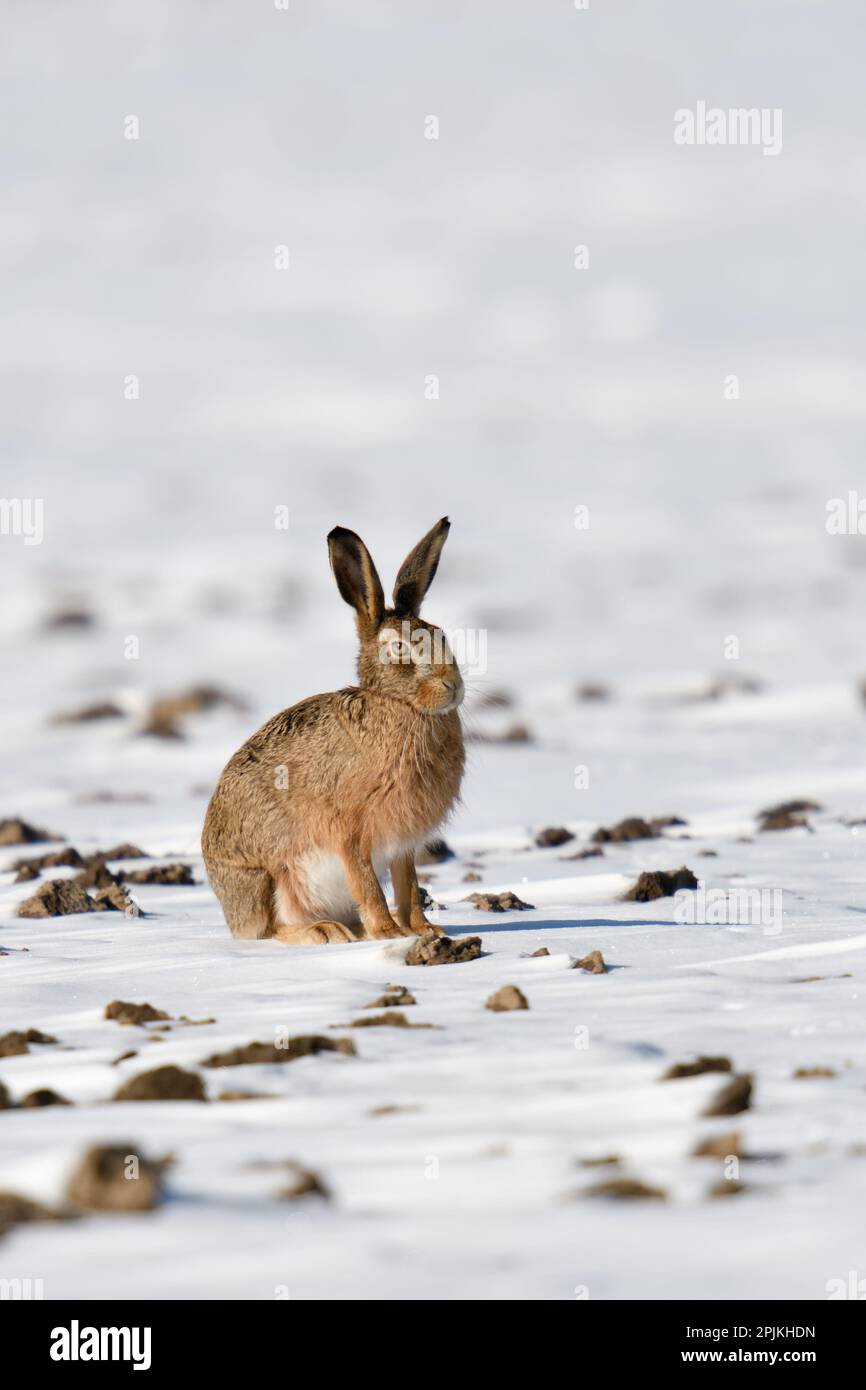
(586, 923)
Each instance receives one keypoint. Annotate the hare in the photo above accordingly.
(330, 793)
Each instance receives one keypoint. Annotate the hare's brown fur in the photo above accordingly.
(332, 791)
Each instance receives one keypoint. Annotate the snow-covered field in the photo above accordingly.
(559, 389)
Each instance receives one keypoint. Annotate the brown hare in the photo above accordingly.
(330, 793)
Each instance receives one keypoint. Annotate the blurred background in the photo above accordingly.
(266, 133)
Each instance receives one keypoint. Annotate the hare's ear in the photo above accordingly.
(417, 570)
(356, 574)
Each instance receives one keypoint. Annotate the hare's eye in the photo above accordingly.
(397, 652)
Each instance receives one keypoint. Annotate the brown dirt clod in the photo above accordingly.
(431, 949)
(593, 964)
(177, 874)
(506, 999)
(163, 1083)
(15, 831)
(553, 836)
(392, 1018)
(733, 1098)
(626, 1189)
(56, 898)
(113, 1177)
(632, 828)
(498, 902)
(698, 1067)
(728, 1145)
(121, 1011)
(306, 1045)
(395, 996)
(660, 883)
(16, 1043)
(35, 1100)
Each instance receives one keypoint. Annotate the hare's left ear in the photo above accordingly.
(417, 570)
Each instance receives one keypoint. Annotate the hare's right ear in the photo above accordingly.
(356, 575)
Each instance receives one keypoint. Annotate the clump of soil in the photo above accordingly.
(245, 1095)
(791, 808)
(808, 1073)
(5, 1098)
(728, 1187)
(498, 902)
(496, 699)
(166, 712)
(660, 883)
(43, 1096)
(698, 1067)
(391, 1019)
(515, 733)
(72, 617)
(90, 714)
(115, 898)
(304, 1183)
(393, 1110)
(163, 1083)
(395, 996)
(16, 1210)
(113, 1177)
(177, 874)
(592, 691)
(431, 949)
(627, 1190)
(471, 877)
(306, 1045)
(733, 1098)
(595, 853)
(632, 828)
(96, 874)
(593, 963)
(552, 836)
(542, 951)
(507, 998)
(58, 858)
(56, 898)
(726, 685)
(787, 815)
(785, 820)
(20, 832)
(134, 1014)
(434, 852)
(729, 1145)
(121, 851)
(606, 1161)
(16, 1043)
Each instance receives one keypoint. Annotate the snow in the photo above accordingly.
(707, 520)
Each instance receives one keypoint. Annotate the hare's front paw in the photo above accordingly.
(418, 926)
(386, 930)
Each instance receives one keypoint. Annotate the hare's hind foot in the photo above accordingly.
(246, 897)
(314, 933)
